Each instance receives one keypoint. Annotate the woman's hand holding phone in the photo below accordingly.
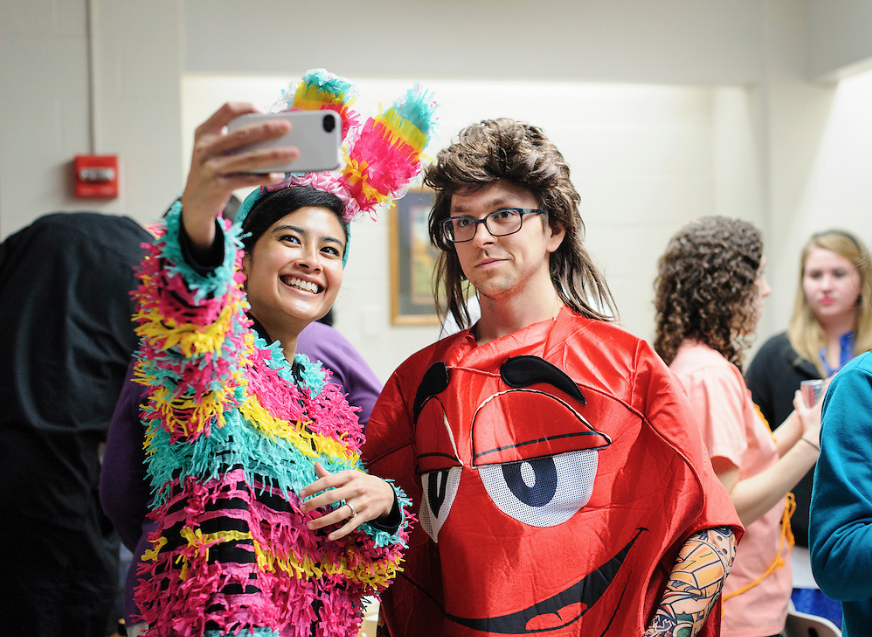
(317, 135)
(219, 166)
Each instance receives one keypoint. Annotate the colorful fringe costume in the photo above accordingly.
(233, 434)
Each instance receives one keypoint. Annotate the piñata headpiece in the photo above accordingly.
(381, 156)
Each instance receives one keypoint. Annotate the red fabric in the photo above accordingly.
(653, 484)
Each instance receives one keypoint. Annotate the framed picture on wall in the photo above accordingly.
(413, 260)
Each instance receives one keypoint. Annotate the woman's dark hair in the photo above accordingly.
(520, 153)
(706, 285)
(275, 205)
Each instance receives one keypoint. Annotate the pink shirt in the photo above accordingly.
(733, 429)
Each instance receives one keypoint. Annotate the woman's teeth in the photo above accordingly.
(303, 285)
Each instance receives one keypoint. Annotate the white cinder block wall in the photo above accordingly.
(712, 113)
(47, 56)
(645, 160)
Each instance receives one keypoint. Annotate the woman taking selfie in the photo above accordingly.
(267, 523)
(709, 292)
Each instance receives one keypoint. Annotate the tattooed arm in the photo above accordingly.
(694, 584)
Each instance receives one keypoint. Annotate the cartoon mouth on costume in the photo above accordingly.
(558, 611)
(294, 282)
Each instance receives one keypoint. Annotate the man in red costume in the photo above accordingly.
(562, 485)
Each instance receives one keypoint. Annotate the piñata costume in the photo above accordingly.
(558, 471)
(234, 432)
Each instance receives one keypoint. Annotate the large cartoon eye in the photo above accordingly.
(542, 491)
(440, 487)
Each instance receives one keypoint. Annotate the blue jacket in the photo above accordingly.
(841, 505)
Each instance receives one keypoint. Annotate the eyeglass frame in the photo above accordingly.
(447, 223)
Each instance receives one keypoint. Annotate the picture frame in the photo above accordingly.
(413, 260)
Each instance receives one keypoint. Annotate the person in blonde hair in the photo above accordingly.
(831, 323)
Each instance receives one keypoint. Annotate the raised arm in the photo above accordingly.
(190, 302)
(217, 168)
(756, 495)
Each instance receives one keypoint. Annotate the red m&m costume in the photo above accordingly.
(557, 472)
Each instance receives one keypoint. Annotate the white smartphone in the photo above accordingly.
(317, 135)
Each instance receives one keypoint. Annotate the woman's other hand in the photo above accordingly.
(366, 497)
(217, 168)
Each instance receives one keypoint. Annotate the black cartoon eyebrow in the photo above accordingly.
(435, 381)
(523, 371)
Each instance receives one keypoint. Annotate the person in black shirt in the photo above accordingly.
(66, 340)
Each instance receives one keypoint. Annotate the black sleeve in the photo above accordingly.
(391, 522)
(207, 262)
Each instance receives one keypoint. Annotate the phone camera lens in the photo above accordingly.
(329, 123)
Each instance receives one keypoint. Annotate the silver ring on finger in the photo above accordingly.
(353, 512)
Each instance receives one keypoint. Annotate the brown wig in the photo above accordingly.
(520, 153)
(706, 285)
(805, 333)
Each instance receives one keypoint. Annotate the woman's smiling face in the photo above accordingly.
(294, 270)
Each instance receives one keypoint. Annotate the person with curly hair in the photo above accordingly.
(562, 484)
(710, 290)
(831, 324)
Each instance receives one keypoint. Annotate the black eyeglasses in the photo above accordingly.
(499, 223)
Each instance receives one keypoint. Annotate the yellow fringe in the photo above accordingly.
(367, 573)
(151, 554)
(191, 339)
(402, 129)
(189, 414)
(312, 98)
(306, 442)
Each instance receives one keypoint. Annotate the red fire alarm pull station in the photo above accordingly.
(96, 176)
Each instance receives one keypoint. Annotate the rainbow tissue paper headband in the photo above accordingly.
(381, 156)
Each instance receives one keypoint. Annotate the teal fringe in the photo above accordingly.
(383, 538)
(275, 462)
(334, 85)
(419, 107)
(314, 376)
(246, 632)
(216, 283)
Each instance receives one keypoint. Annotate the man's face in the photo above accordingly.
(511, 264)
